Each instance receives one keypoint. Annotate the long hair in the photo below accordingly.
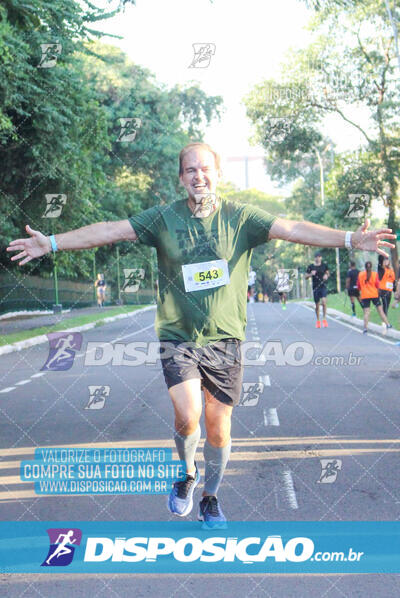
(368, 267)
(381, 268)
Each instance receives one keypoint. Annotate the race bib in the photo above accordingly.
(205, 275)
(389, 286)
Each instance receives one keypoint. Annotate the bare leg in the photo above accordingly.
(366, 317)
(317, 310)
(186, 399)
(382, 314)
(324, 307)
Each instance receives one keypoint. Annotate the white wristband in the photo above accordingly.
(347, 239)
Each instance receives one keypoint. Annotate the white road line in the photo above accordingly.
(115, 340)
(289, 489)
(383, 340)
(22, 382)
(271, 417)
(10, 388)
(132, 333)
(265, 380)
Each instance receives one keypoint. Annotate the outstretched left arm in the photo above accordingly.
(309, 233)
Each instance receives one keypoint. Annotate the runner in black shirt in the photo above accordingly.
(351, 286)
(320, 274)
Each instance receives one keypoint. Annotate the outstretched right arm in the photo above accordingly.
(93, 235)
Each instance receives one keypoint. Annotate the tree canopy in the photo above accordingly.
(350, 70)
(80, 121)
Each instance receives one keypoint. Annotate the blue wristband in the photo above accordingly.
(53, 243)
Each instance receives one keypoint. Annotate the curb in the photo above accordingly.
(37, 340)
(37, 312)
(395, 334)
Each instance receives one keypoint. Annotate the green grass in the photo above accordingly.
(66, 324)
(341, 302)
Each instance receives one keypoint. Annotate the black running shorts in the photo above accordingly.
(319, 293)
(218, 365)
(367, 302)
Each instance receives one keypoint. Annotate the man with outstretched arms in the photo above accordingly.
(204, 246)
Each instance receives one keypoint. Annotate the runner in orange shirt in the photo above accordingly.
(386, 281)
(368, 284)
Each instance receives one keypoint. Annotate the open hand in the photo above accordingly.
(372, 240)
(34, 246)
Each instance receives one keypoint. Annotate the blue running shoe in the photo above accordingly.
(180, 500)
(211, 514)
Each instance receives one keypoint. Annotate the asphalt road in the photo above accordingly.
(327, 394)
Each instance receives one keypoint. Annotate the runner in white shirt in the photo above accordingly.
(282, 281)
(251, 285)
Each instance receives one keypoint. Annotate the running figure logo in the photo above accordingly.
(330, 469)
(202, 55)
(129, 127)
(97, 398)
(62, 546)
(205, 203)
(62, 350)
(54, 205)
(358, 206)
(280, 128)
(133, 276)
(285, 278)
(50, 53)
(251, 394)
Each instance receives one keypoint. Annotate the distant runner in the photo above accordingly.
(282, 281)
(351, 286)
(319, 273)
(397, 291)
(386, 282)
(100, 285)
(251, 285)
(368, 283)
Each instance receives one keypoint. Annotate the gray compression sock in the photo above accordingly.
(186, 447)
(216, 459)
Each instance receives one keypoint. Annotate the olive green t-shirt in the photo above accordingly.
(230, 233)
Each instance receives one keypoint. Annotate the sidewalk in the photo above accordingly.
(357, 322)
(26, 322)
(19, 333)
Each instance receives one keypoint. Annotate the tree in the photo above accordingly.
(60, 128)
(349, 68)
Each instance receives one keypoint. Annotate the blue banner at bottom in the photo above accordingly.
(184, 547)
